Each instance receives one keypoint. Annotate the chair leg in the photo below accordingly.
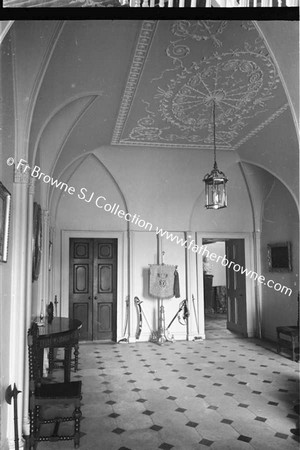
(37, 424)
(34, 428)
(76, 354)
(31, 443)
(31, 422)
(77, 415)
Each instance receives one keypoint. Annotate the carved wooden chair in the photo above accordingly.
(50, 403)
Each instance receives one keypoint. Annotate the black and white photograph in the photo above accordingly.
(149, 237)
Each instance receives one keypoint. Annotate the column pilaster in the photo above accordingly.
(45, 257)
(191, 287)
(200, 288)
(28, 313)
(17, 338)
(50, 265)
(132, 308)
(258, 286)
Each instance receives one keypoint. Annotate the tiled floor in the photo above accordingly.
(223, 393)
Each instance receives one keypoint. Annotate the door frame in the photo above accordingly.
(250, 283)
(122, 259)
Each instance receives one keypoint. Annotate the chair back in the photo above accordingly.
(34, 355)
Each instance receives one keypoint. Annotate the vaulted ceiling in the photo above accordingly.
(152, 83)
(179, 70)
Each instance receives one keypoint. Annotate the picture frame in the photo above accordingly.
(5, 206)
(36, 241)
(279, 257)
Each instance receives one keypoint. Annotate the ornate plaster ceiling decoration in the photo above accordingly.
(180, 68)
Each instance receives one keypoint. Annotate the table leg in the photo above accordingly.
(293, 348)
(278, 344)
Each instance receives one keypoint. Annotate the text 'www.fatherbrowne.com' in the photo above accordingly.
(101, 202)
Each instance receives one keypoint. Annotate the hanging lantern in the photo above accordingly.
(215, 189)
(215, 181)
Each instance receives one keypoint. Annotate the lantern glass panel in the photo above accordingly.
(215, 193)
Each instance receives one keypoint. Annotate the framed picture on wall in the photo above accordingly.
(36, 241)
(279, 257)
(5, 201)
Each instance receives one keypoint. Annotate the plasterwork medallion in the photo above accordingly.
(200, 67)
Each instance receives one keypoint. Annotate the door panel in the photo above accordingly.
(93, 287)
(81, 279)
(105, 278)
(104, 314)
(105, 251)
(105, 288)
(236, 287)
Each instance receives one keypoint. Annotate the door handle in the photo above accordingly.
(95, 298)
(89, 298)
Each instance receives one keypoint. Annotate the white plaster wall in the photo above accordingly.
(276, 149)
(280, 224)
(79, 210)
(162, 185)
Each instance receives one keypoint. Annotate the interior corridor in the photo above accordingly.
(218, 393)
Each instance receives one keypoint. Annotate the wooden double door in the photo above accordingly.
(93, 287)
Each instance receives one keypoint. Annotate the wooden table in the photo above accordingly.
(62, 332)
(292, 332)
